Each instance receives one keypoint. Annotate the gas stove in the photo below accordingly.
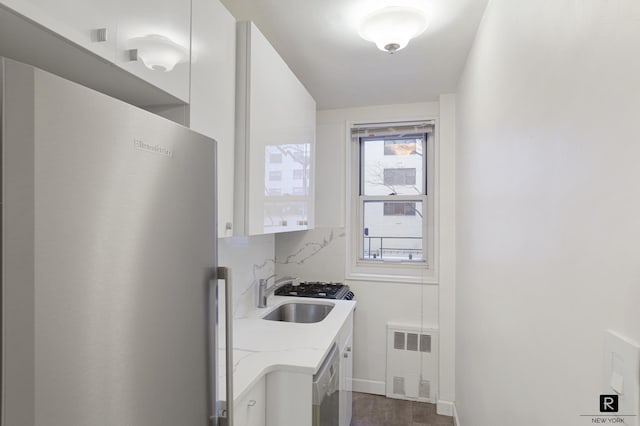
(319, 290)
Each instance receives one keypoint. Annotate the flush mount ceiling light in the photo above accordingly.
(391, 28)
(158, 52)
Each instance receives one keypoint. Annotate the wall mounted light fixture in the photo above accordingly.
(393, 27)
(158, 52)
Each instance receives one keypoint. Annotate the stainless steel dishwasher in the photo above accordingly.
(326, 391)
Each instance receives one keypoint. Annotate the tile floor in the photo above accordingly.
(376, 410)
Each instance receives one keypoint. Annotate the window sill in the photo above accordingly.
(391, 278)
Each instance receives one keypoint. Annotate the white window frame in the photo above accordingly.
(405, 272)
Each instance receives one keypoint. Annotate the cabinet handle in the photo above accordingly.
(348, 348)
(251, 403)
(101, 35)
(345, 355)
(133, 55)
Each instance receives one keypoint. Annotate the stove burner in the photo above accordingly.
(316, 289)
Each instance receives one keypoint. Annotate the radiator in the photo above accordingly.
(412, 362)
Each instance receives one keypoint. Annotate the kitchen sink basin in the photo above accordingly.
(299, 312)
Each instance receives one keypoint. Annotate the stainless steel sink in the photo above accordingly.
(299, 312)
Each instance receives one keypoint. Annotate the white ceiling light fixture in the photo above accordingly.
(393, 27)
(158, 52)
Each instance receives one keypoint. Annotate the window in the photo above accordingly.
(394, 177)
(275, 175)
(299, 190)
(399, 147)
(391, 210)
(275, 158)
(399, 209)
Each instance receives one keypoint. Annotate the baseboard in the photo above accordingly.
(456, 421)
(444, 408)
(369, 386)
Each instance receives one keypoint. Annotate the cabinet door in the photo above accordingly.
(78, 21)
(251, 410)
(169, 20)
(212, 106)
(346, 382)
(278, 136)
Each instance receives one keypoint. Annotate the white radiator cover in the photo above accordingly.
(412, 362)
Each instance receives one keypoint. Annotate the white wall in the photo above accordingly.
(548, 211)
(320, 254)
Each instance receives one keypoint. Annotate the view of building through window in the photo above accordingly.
(400, 176)
(399, 209)
(275, 175)
(298, 174)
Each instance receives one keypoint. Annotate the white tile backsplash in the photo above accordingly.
(315, 255)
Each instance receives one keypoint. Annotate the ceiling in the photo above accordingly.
(319, 41)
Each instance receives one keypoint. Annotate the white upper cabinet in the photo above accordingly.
(75, 20)
(275, 141)
(212, 107)
(110, 29)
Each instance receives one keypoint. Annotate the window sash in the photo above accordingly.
(362, 199)
(408, 134)
(361, 160)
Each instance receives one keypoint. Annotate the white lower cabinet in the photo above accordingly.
(290, 399)
(346, 382)
(285, 395)
(251, 410)
(345, 346)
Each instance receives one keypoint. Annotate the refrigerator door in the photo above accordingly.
(108, 249)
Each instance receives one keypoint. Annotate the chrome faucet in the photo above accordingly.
(264, 292)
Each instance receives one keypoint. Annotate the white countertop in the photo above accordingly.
(262, 346)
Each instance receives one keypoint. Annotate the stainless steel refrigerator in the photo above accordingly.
(108, 261)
